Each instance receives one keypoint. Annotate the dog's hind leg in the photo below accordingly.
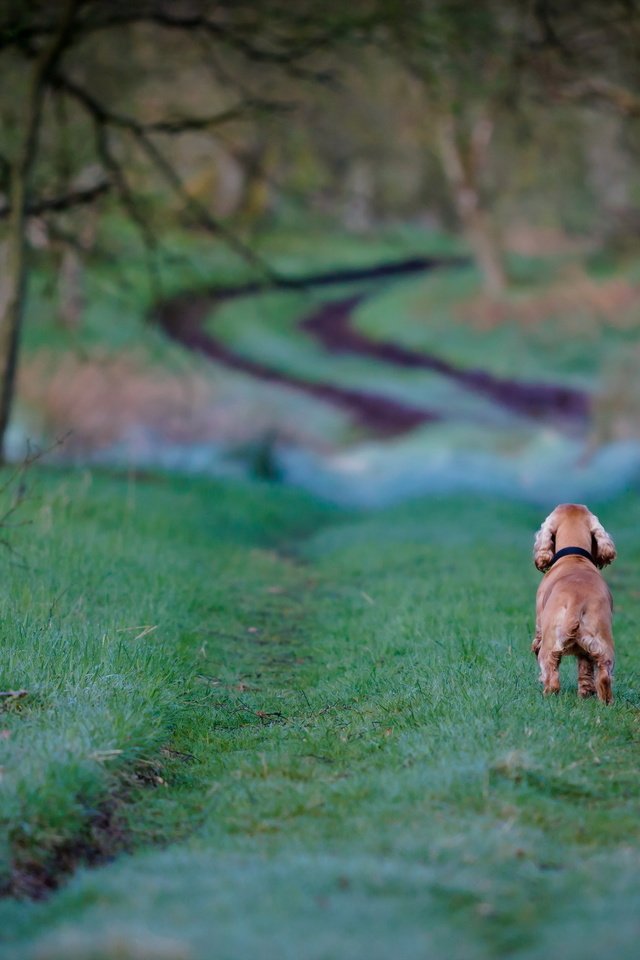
(604, 672)
(536, 643)
(599, 648)
(549, 662)
(586, 682)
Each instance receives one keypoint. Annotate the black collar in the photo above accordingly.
(571, 552)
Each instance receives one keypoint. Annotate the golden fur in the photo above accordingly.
(573, 604)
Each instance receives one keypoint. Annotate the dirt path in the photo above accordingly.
(183, 318)
(331, 325)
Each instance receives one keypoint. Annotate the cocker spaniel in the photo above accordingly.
(573, 603)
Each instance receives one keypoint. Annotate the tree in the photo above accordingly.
(583, 58)
(586, 52)
(55, 46)
(463, 56)
(20, 173)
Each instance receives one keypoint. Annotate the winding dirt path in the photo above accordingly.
(183, 317)
(331, 325)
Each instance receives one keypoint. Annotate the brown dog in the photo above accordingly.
(573, 604)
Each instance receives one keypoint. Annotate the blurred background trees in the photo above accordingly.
(94, 98)
(500, 121)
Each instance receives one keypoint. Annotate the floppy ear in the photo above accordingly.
(605, 548)
(543, 546)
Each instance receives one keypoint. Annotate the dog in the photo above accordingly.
(574, 606)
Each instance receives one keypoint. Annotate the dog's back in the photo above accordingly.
(575, 608)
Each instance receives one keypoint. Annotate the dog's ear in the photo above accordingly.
(544, 543)
(604, 549)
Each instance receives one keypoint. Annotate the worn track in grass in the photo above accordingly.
(182, 318)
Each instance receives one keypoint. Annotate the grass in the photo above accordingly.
(558, 322)
(552, 326)
(118, 291)
(304, 732)
(569, 321)
(114, 326)
(349, 749)
(94, 629)
(265, 328)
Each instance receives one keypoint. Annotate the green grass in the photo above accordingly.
(99, 630)
(573, 346)
(118, 299)
(566, 342)
(265, 328)
(118, 286)
(541, 335)
(374, 770)
(562, 341)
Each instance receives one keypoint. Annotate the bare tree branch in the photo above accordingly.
(288, 52)
(102, 118)
(198, 211)
(190, 124)
(128, 199)
(66, 201)
(592, 89)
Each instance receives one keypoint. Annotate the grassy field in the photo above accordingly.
(569, 320)
(265, 328)
(67, 373)
(560, 322)
(317, 734)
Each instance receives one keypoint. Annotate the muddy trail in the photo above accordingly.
(331, 325)
(182, 318)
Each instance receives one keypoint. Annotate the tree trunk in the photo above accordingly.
(70, 289)
(20, 180)
(463, 179)
(72, 299)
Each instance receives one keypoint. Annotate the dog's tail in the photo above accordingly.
(569, 623)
